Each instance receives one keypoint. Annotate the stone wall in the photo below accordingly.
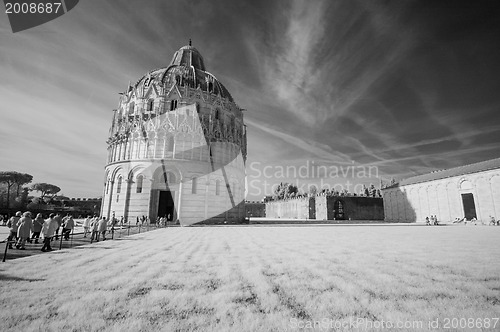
(349, 208)
(298, 208)
(255, 209)
(443, 197)
(328, 208)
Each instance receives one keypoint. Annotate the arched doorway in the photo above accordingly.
(338, 210)
(163, 195)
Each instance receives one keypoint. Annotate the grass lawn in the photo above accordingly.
(261, 279)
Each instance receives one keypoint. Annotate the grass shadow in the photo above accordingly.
(4, 277)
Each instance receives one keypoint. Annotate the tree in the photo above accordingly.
(366, 192)
(11, 178)
(285, 190)
(313, 191)
(47, 191)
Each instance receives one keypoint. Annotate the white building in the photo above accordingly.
(177, 147)
(471, 191)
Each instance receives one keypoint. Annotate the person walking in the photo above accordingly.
(86, 225)
(95, 230)
(12, 224)
(103, 226)
(59, 221)
(68, 226)
(37, 227)
(24, 228)
(48, 230)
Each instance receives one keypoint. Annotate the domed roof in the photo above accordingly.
(186, 68)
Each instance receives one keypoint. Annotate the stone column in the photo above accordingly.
(127, 198)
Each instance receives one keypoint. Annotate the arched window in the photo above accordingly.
(194, 185)
(170, 144)
(151, 104)
(217, 187)
(119, 185)
(107, 187)
(173, 104)
(139, 184)
(216, 114)
(131, 107)
(210, 87)
(169, 178)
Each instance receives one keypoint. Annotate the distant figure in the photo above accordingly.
(103, 226)
(436, 220)
(24, 228)
(59, 221)
(12, 224)
(427, 221)
(37, 227)
(68, 226)
(86, 225)
(48, 230)
(95, 230)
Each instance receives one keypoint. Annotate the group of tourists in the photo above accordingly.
(433, 220)
(23, 228)
(95, 227)
(474, 221)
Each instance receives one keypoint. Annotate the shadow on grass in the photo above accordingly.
(4, 277)
(85, 248)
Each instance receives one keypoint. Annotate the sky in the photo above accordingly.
(401, 87)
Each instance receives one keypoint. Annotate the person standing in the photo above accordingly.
(24, 228)
(59, 221)
(12, 224)
(69, 224)
(103, 226)
(37, 227)
(86, 226)
(95, 230)
(48, 230)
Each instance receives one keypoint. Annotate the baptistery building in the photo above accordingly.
(177, 147)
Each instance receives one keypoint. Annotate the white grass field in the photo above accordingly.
(261, 279)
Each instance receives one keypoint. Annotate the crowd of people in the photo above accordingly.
(24, 228)
(433, 220)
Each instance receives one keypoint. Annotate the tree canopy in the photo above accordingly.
(47, 190)
(11, 178)
(285, 190)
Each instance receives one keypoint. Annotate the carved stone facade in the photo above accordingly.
(468, 191)
(177, 147)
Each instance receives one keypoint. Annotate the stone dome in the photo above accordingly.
(186, 68)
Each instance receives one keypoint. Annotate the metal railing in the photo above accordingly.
(75, 239)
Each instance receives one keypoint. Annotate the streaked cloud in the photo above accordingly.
(407, 86)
